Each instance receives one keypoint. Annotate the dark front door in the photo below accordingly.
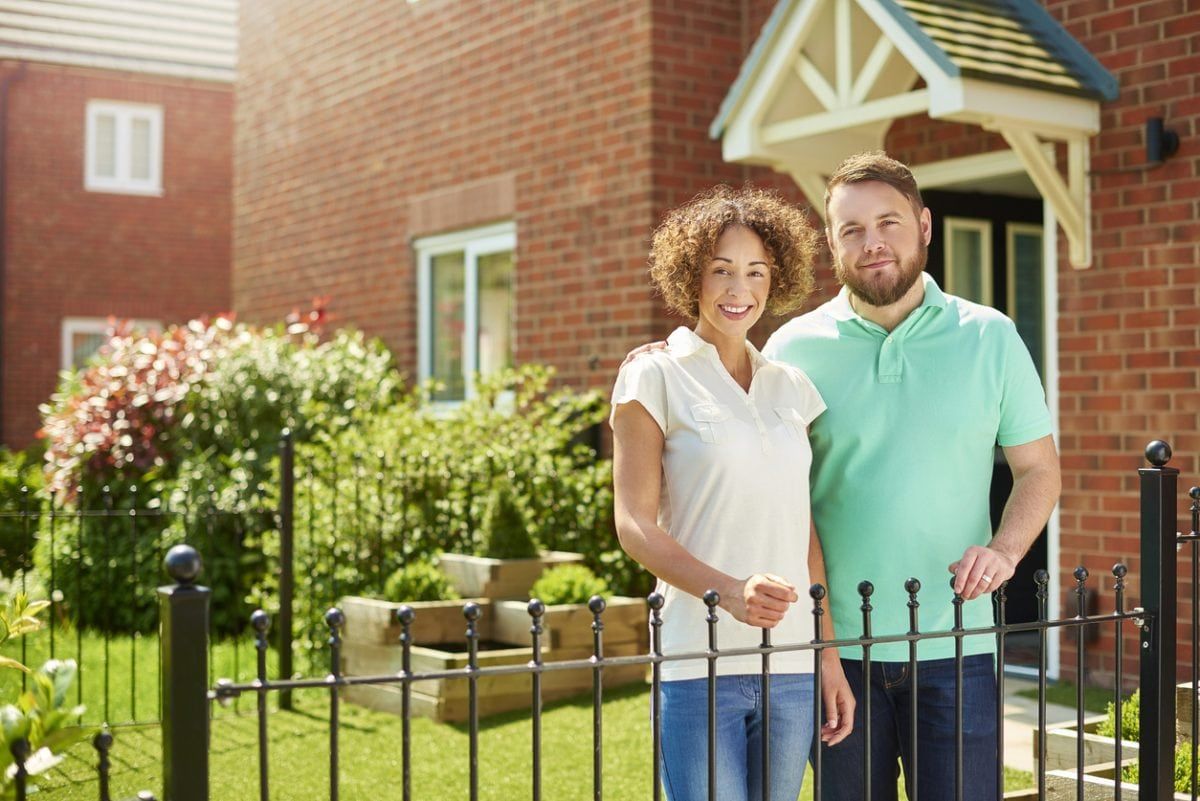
(988, 248)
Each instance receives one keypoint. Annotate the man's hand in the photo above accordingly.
(640, 349)
(761, 600)
(837, 699)
(981, 570)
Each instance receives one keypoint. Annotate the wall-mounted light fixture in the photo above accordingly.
(1161, 142)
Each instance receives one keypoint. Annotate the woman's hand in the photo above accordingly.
(761, 600)
(836, 698)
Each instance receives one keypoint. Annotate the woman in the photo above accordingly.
(711, 462)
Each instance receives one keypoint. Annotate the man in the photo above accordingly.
(920, 386)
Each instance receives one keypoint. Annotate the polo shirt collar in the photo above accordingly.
(840, 309)
(684, 342)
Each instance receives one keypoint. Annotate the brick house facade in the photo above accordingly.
(142, 234)
(362, 131)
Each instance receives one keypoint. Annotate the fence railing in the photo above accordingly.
(187, 695)
(185, 746)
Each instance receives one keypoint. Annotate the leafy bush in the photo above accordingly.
(20, 480)
(505, 534)
(1130, 722)
(420, 580)
(184, 426)
(408, 482)
(568, 584)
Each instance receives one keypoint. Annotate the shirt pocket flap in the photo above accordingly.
(710, 413)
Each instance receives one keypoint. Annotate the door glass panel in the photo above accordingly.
(447, 324)
(969, 259)
(1027, 304)
(495, 312)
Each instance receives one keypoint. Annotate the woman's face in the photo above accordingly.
(735, 285)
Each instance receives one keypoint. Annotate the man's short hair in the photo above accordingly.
(875, 165)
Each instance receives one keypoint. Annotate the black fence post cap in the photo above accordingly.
(183, 564)
(1158, 453)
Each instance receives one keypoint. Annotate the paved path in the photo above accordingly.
(1021, 719)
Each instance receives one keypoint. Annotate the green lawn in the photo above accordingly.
(370, 750)
(120, 694)
(1095, 699)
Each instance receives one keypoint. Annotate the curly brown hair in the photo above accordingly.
(683, 245)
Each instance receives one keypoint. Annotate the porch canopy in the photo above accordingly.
(827, 78)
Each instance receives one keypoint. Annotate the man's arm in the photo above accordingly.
(836, 695)
(1036, 487)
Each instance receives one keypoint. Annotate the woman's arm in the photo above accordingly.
(760, 600)
(835, 690)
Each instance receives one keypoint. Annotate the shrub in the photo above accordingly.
(209, 402)
(505, 534)
(568, 584)
(20, 504)
(405, 483)
(420, 580)
(1130, 722)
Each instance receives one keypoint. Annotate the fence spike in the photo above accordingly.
(865, 590)
(655, 601)
(102, 742)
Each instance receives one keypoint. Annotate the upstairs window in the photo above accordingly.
(124, 148)
(465, 307)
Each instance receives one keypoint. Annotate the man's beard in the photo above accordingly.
(880, 294)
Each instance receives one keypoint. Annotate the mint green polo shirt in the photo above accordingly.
(902, 458)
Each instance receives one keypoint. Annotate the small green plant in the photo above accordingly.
(420, 580)
(41, 716)
(505, 532)
(568, 584)
(1130, 724)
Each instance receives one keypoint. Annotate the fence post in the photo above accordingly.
(287, 486)
(183, 612)
(1156, 753)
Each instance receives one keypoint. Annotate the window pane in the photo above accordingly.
(105, 143)
(447, 325)
(139, 150)
(495, 312)
(1029, 302)
(966, 267)
(84, 345)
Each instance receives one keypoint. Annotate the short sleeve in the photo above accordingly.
(642, 380)
(811, 403)
(1024, 416)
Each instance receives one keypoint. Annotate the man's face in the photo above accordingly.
(879, 241)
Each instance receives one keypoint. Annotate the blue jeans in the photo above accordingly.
(891, 732)
(739, 737)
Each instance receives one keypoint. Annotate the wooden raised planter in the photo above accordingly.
(371, 646)
(484, 577)
(1097, 749)
(1099, 784)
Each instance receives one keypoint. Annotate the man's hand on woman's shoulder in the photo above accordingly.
(641, 349)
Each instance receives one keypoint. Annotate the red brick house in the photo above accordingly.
(116, 123)
(476, 183)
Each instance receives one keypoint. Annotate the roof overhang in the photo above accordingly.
(827, 78)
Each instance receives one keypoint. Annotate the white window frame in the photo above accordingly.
(123, 183)
(984, 228)
(472, 243)
(94, 325)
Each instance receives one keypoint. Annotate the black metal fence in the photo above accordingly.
(185, 609)
(186, 735)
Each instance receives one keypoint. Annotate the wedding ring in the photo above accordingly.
(987, 578)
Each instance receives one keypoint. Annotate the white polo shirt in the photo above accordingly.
(734, 489)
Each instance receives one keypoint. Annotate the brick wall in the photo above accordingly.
(401, 103)
(75, 253)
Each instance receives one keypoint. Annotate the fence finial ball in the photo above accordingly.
(183, 564)
(1158, 453)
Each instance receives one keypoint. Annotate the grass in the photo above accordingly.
(369, 742)
(1063, 693)
(371, 760)
(127, 691)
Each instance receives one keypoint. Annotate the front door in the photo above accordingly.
(988, 248)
